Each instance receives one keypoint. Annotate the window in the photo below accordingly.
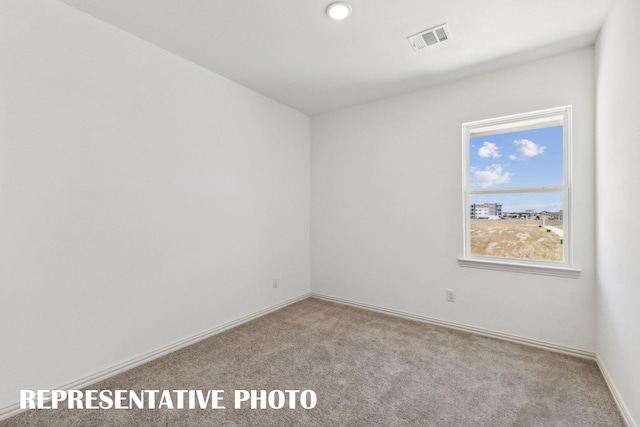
(517, 193)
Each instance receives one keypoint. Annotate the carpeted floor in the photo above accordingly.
(367, 369)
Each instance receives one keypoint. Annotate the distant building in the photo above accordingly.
(553, 215)
(486, 210)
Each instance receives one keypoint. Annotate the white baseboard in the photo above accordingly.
(14, 409)
(624, 411)
(557, 348)
(11, 410)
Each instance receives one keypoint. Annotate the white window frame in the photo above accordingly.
(517, 122)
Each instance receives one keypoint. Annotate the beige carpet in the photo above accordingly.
(367, 369)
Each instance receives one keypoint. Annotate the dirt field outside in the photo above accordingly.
(515, 239)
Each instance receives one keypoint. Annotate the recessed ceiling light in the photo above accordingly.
(338, 10)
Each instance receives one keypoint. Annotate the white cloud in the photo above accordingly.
(528, 148)
(512, 157)
(489, 149)
(491, 175)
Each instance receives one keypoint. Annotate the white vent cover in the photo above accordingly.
(429, 37)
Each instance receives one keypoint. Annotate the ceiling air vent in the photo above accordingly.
(429, 37)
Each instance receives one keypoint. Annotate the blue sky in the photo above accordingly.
(518, 159)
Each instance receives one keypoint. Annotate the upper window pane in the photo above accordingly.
(525, 158)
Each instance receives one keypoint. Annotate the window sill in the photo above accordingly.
(521, 268)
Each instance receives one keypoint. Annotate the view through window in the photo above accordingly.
(517, 187)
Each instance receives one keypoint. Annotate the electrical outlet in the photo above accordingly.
(451, 295)
(275, 283)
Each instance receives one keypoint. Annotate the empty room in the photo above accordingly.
(318, 213)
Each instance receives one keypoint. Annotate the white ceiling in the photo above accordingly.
(290, 51)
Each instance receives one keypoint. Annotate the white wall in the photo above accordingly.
(143, 199)
(618, 203)
(386, 204)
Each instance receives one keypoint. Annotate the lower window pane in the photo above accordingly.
(521, 226)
